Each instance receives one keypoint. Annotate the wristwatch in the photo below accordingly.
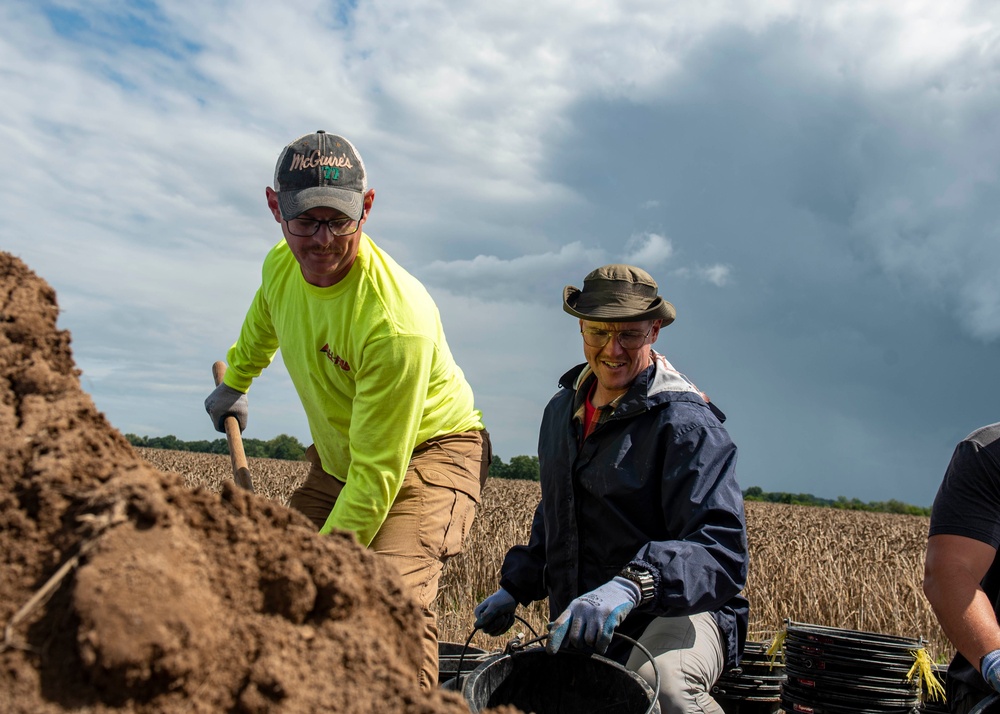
(643, 578)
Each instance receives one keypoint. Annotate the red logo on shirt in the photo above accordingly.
(336, 359)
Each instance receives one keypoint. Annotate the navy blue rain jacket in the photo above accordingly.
(653, 485)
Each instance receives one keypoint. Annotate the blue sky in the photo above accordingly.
(813, 185)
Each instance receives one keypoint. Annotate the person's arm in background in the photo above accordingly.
(953, 570)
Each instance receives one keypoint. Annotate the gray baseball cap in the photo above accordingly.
(320, 170)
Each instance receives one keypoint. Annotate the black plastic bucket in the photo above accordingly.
(563, 683)
(455, 658)
(755, 686)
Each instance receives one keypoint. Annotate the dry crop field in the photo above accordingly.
(847, 569)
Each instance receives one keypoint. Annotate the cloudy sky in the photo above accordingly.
(813, 184)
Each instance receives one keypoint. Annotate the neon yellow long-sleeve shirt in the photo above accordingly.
(369, 360)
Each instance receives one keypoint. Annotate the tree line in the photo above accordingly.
(756, 493)
(523, 468)
(283, 446)
(289, 448)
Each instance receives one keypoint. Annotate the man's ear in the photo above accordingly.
(272, 203)
(366, 209)
(655, 330)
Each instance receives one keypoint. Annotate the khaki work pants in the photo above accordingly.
(689, 655)
(427, 523)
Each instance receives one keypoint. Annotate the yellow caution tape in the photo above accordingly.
(776, 644)
(923, 670)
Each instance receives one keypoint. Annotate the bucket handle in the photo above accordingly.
(465, 648)
(656, 671)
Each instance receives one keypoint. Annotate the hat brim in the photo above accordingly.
(659, 309)
(293, 203)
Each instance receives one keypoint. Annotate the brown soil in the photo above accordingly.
(123, 590)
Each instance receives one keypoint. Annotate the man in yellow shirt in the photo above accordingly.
(399, 451)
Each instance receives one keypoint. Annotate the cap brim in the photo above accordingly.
(293, 203)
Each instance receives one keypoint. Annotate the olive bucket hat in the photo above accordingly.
(618, 293)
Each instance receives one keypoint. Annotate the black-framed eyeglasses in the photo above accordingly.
(306, 227)
(628, 339)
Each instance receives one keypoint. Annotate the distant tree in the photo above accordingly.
(498, 469)
(201, 447)
(894, 506)
(853, 504)
(255, 448)
(169, 442)
(219, 446)
(524, 468)
(286, 447)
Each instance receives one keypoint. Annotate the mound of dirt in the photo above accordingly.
(122, 590)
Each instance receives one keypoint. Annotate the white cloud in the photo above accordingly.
(528, 278)
(648, 250)
(533, 277)
(718, 275)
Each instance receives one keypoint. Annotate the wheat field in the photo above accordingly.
(846, 569)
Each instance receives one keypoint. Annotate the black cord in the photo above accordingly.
(525, 623)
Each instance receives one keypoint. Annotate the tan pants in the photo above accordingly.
(689, 655)
(427, 523)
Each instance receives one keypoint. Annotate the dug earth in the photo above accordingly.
(123, 590)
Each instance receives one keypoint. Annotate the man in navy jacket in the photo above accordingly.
(640, 528)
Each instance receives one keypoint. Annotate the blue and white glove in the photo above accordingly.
(495, 614)
(226, 401)
(591, 619)
(990, 667)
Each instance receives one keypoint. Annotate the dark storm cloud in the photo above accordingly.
(845, 356)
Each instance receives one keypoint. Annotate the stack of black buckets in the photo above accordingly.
(755, 686)
(834, 671)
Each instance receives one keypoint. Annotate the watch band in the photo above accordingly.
(643, 578)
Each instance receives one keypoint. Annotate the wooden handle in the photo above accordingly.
(241, 472)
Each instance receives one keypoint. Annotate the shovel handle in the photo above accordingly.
(241, 472)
